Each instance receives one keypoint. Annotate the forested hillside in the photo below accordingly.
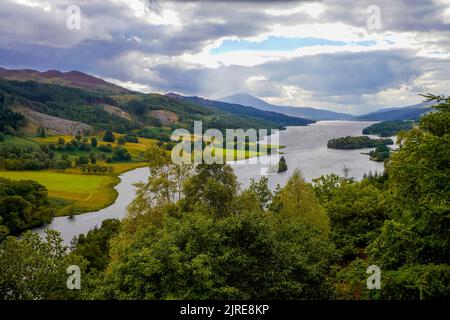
(91, 101)
(388, 128)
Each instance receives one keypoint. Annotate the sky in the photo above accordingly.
(347, 56)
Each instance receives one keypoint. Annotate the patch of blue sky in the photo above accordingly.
(282, 44)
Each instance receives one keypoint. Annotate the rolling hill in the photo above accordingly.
(234, 108)
(49, 99)
(302, 112)
(74, 79)
(397, 113)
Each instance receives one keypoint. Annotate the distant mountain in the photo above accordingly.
(302, 112)
(74, 79)
(237, 109)
(398, 113)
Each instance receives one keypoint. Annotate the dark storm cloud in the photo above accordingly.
(326, 74)
(347, 73)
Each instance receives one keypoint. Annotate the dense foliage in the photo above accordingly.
(23, 205)
(31, 158)
(380, 154)
(10, 121)
(282, 165)
(219, 243)
(192, 233)
(94, 246)
(32, 268)
(406, 210)
(65, 102)
(388, 128)
(357, 142)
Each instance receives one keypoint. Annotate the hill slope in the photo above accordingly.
(302, 112)
(398, 113)
(278, 118)
(74, 79)
(102, 106)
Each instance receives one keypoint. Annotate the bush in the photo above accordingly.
(131, 138)
(105, 148)
(121, 154)
(109, 136)
(121, 141)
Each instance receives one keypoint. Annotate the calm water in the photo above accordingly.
(305, 149)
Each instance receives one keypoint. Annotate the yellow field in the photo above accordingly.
(121, 167)
(80, 192)
(133, 148)
(73, 192)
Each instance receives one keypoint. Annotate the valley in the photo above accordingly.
(93, 164)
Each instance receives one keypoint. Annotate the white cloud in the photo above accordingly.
(34, 4)
(312, 9)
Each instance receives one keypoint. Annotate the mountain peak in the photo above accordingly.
(173, 95)
(246, 99)
(302, 112)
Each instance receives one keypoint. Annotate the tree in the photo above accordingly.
(109, 136)
(357, 211)
(213, 188)
(121, 141)
(412, 244)
(94, 142)
(297, 201)
(82, 160)
(195, 255)
(24, 204)
(120, 153)
(32, 269)
(282, 165)
(131, 137)
(419, 176)
(261, 189)
(94, 246)
(165, 184)
(92, 158)
(42, 132)
(157, 157)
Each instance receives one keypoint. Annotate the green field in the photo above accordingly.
(72, 192)
(19, 142)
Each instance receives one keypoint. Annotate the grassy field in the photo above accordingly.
(73, 192)
(76, 193)
(135, 149)
(20, 142)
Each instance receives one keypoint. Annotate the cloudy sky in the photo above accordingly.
(329, 54)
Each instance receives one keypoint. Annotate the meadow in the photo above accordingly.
(135, 149)
(72, 193)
